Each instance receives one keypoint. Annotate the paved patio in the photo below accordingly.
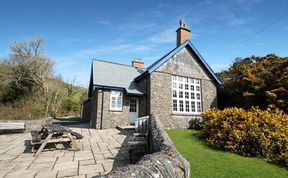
(100, 152)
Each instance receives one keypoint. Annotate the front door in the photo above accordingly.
(133, 110)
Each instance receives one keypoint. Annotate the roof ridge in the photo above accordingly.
(112, 62)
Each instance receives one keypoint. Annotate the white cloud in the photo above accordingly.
(165, 36)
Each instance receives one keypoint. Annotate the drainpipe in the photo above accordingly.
(102, 108)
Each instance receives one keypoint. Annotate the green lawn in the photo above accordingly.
(206, 162)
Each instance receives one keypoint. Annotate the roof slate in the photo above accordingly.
(166, 57)
(111, 74)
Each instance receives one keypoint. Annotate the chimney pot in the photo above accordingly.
(183, 33)
(137, 63)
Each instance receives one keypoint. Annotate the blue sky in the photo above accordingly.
(75, 32)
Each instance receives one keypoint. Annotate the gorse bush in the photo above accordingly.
(254, 133)
(255, 81)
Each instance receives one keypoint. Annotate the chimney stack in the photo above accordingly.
(183, 33)
(137, 63)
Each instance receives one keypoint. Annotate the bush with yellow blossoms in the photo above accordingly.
(256, 133)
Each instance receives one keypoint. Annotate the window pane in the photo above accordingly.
(197, 81)
(198, 96)
(133, 105)
(180, 79)
(180, 94)
(193, 106)
(193, 96)
(174, 78)
(174, 85)
(181, 105)
(180, 86)
(197, 88)
(113, 102)
(186, 79)
(187, 107)
(174, 105)
(186, 87)
(198, 107)
(192, 87)
(174, 93)
(187, 95)
(119, 102)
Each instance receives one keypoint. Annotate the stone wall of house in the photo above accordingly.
(110, 118)
(93, 109)
(86, 110)
(183, 64)
(165, 161)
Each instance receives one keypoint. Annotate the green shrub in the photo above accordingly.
(254, 133)
(71, 105)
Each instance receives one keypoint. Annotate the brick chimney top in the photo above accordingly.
(183, 33)
(137, 63)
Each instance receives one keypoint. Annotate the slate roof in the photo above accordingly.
(116, 76)
(170, 54)
(113, 75)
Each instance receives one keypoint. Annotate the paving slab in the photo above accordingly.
(100, 152)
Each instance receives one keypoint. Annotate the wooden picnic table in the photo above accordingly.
(54, 133)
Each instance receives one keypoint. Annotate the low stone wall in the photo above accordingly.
(32, 124)
(165, 161)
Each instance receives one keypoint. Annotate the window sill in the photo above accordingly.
(115, 110)
(185, 114)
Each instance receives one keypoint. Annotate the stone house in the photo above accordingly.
(176, 88)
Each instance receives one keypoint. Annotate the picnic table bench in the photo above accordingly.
(54, 133)
(12, 126)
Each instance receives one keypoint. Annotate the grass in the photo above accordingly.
(206, 162)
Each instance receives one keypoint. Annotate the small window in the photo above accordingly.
(180, 79)
(116, 100)
(180, 86)
(197, 81)
(197, 88)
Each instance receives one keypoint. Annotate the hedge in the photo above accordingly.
(255, 133)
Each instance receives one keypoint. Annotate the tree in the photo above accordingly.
(255, 81)
(28, 69)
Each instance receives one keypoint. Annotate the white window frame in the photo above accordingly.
(192, 83)
(118, 97)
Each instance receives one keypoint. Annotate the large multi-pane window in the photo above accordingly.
(186, 95)
(116, 100)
